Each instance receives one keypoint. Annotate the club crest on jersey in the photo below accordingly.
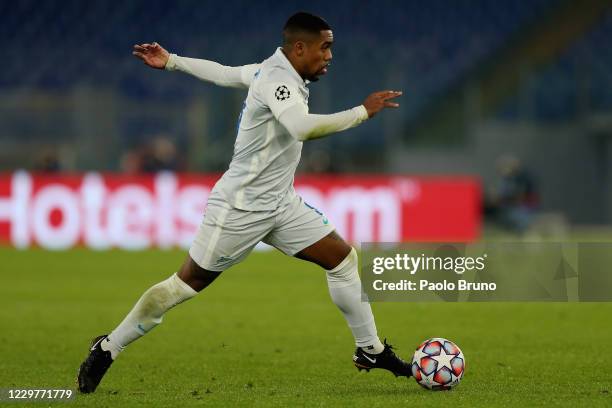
(282, 93)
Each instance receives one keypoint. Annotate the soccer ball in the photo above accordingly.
(438, 364)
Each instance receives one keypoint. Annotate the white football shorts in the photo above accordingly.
(227, 235)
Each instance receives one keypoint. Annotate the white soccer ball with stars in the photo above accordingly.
(438, 364)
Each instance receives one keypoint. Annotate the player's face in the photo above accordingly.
(318, 55)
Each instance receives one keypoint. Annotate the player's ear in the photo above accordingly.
(300, 48)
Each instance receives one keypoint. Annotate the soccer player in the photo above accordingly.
(255, 200)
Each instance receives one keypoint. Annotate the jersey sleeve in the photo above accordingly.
(248, 73)
(210, 71)
(280, 96)
(305, 126)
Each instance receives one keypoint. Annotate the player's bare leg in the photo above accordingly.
(146, 314)
(340, 262)
(195, 276)
(328, 252)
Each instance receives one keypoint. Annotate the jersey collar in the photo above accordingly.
(280, 55)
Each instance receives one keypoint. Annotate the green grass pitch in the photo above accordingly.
(266, 334)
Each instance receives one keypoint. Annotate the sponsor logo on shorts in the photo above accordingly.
(223, 259)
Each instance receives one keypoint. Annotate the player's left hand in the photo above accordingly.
(154, 55)
(378, 101)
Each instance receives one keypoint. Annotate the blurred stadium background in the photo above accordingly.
(505, 127)
(488, 85)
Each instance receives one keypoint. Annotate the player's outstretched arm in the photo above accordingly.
(156, 56)
(305, 126)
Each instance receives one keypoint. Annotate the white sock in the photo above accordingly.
(345, 290)
(148, 313)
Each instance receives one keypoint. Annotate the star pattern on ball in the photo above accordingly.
(438, 364)
(282, 93)
(443, 359)
(428, 381)
(419, 354)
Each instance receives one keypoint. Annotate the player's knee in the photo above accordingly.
(195, 276)
(346, 271)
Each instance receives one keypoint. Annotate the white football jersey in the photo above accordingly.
(265, 156)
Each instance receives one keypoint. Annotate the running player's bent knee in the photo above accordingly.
(346, 272)
(195, 276)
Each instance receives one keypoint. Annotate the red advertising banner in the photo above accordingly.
(103, 211)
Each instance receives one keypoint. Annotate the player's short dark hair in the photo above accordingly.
(305, 23)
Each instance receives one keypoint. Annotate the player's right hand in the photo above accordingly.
(380, 100)
(154, 55)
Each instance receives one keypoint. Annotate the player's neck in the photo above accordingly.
(293, 62)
